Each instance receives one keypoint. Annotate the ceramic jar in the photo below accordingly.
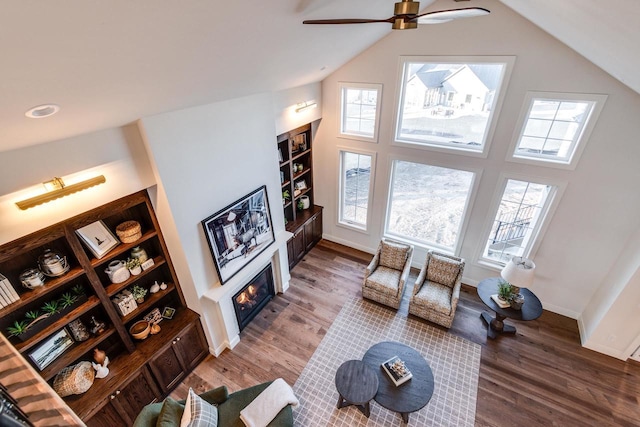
(139, 253)
(32, 278)
(117, 271)
(53, 263)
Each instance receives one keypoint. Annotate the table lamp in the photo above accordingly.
(519, 273)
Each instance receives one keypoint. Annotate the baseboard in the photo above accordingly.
(349, 243)
(562, 311)
(605, 350)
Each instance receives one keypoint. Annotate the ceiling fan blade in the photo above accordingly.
(442, 16)
(345, 21)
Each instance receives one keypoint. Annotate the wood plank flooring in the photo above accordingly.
(539, 377)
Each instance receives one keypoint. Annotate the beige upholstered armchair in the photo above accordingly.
(437, 289)
(387, 273)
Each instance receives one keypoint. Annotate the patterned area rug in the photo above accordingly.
(455, 363)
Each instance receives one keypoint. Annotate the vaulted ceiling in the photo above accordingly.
(109, 63)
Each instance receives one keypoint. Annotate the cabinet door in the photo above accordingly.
(298, 244)
(191, 346)
(140, 391)
(167, 368)
(107, 416)
(317, 227)
(291, 255)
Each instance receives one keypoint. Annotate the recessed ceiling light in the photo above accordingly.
(41, 111)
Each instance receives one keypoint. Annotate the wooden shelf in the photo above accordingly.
(297, 155)
(148, 303)
(122, 248)
(50, 285)
(114, 288)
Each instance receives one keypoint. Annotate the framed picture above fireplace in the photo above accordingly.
(239, 233)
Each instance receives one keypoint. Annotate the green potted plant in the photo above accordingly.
(138, 293)
(505, 291)
(134, 266)
(286, 196)
(51, 307)
(18, 328)
(78, 290)
(67, 300)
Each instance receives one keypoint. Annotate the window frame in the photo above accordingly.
(540, 229)
(508, 61)
(466, 212)
(350, 224)
(599, 101)
(342, 86)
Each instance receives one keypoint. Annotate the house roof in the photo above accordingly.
(108, 64)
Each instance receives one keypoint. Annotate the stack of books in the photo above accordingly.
(397, 371)
(8, 294)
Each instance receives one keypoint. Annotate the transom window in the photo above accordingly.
(520, 214)
(449, 103)
(360, 112)
(355, 188)
(555, 125)
(427, 204)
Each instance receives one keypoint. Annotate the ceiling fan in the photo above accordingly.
(406, 16)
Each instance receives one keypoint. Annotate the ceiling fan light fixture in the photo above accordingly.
(406, 7)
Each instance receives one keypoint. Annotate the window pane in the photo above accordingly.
(518, 216)
(356, 171)
(427, 203)
(359, 111)
(448, 104)
(558, 123)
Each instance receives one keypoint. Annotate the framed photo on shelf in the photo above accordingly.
(51, 349)
(239, 233)
(168, 312)
(301, 185)
(98, 238)
(299, 143)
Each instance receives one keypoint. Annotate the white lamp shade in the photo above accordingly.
(519, 272)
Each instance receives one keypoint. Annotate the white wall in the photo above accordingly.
(285, 103)
(117, 153)
(204, 159)
(599, 208)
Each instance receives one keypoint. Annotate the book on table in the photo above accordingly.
(396, 370)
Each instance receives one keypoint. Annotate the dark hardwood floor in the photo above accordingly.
(539, 377)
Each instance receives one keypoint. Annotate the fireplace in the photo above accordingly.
(248, 302)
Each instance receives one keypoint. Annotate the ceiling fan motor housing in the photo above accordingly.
(407, 7)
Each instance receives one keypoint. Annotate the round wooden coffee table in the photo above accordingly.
(531, 309)
(409, 397)
(357, 384)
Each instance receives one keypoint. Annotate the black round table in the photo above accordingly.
(410, 396)
(356, 384)
(531, 309)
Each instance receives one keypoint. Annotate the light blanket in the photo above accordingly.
(267, 404)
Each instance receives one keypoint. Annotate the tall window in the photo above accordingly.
(555, 125)
(355, 187)
(427, 204)
(360, 111)
(520, 214)
(449, 103)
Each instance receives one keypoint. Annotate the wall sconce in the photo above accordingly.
(307, 105)
(56, 189)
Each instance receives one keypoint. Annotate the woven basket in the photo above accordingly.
(75, 379)
(129, 231)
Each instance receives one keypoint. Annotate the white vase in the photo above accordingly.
(305, 202)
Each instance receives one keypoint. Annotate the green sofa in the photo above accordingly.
(229, 407)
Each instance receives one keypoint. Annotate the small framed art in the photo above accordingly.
(98, 238)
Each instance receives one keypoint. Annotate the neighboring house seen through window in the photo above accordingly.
(360, 110)
(427, 204)
(451, 105)
(355, 187)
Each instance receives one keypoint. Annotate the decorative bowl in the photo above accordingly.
(140, 330)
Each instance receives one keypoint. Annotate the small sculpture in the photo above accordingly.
(155, 328)
(154, 288)
(163, 286)
(102, 363)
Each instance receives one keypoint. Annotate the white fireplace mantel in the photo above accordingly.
(221, 295)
